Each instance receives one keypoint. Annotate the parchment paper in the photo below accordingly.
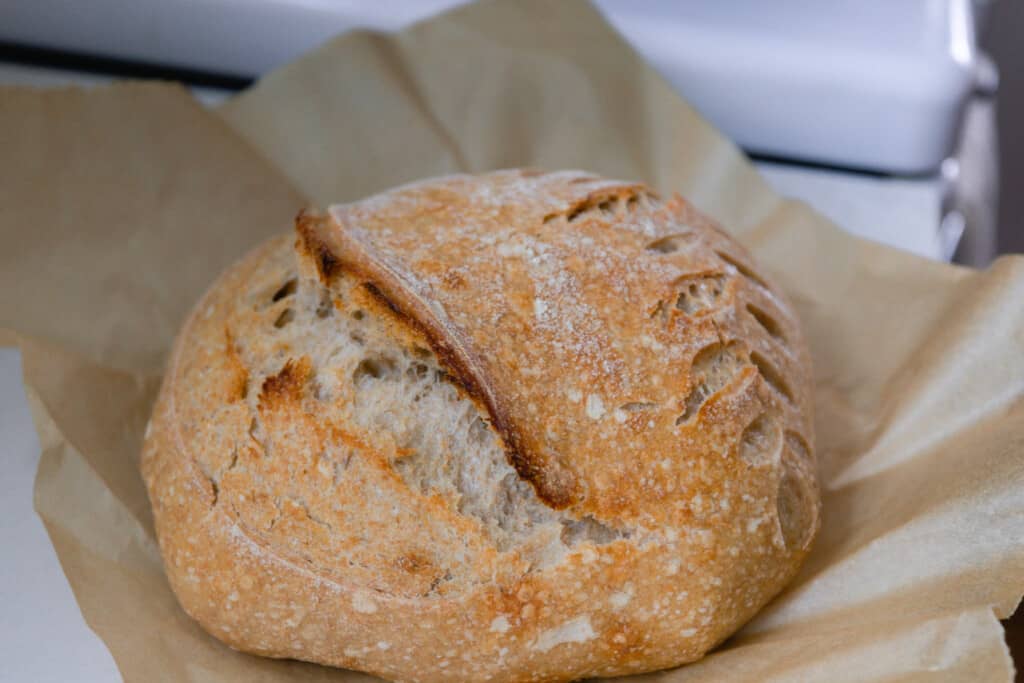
(119, 206)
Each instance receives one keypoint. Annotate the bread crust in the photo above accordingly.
(642, 375)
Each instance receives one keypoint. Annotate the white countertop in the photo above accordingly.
(43, 637)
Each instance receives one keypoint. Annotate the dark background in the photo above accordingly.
(1004, 40)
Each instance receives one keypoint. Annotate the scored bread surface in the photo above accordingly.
(516, 426)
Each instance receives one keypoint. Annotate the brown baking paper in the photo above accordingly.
(118, 206)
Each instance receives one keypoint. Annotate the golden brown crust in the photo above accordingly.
(641, 372)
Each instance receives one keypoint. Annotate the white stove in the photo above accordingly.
(875, 85)
(860, 106)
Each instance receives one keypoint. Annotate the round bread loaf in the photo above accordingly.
(519, 426)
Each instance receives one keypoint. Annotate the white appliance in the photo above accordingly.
(876, 84)
(873, 85)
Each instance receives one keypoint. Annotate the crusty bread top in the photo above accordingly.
(576, 309)
(550, 423)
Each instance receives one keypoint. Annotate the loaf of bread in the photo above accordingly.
(520, 426)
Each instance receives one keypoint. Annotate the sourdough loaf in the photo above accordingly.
(515, 426)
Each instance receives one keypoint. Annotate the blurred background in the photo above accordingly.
(898, 120)
(901, 121)
(1003, 38)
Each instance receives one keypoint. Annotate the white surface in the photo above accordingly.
(900, 212)
(874, 83)
(242, 37)
(43, 637)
